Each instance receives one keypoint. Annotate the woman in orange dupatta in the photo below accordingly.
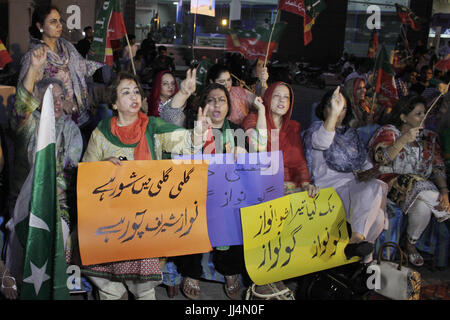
(131, 135)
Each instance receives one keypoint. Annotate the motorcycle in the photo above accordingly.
(308, 75)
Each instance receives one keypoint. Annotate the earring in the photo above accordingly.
(41, 30)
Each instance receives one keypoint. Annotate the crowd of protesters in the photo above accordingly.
(405, 159)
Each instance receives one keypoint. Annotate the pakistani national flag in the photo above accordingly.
(385, 84)
(253, 43)
(44, 272)
(108, 26)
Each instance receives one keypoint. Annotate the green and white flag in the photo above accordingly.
(109, 25)
(44, 272)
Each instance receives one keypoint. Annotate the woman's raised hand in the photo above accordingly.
(203, 122)
(411, 135)
(258, 103)
(189, 85)
(264, 75)
(337, 101)
(38, 57)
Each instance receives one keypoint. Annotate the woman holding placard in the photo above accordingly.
(337, 158)
(272, 129)
(131, 135)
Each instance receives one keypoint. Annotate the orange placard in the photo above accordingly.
(141, 209)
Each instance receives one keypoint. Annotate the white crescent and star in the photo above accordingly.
(38, 276)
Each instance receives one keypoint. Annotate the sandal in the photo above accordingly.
(414, 256)
(232, 286)
(360, 249)
(416, 259)
(271, 291)
(191, 288)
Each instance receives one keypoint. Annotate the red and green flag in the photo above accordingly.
(373, 45)
(5, 58)
(44, 271)
(253, 43)
(443, 64)
(385, 83)
(308, 9)
(108, 26)
(407, 17)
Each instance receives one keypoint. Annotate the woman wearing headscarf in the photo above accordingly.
(337, 158)
(364, 110)
(63, 62)
(272, 129)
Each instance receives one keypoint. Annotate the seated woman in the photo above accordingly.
(241, 99)
(364, 111)
(228, 261)
(131, 135)
(273, 129)
(413, 166)
(24, 122)
(334, 153)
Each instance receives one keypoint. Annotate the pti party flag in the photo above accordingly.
(407, 17)
(205, 7)
(253, 43)
(308, 9)
(373, 44)
(312, 10)
(5, 58)
(385, 82)
(443, 64)
(293, 6)
(44, 271)
(108, 26)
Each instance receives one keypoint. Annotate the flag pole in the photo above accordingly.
(245, 85)
(405, 38)
(194, 30)
(131, 53)
(270, 38)
(432, 106)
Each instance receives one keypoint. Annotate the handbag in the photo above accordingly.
(397, 281)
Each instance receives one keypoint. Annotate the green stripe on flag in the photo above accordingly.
(261, 33)
(44, 274)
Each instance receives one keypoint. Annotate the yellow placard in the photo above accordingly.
(294, 235)
(141, 209)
